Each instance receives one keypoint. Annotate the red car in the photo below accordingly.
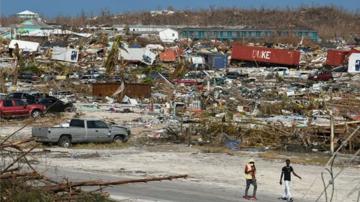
(19, 108)
(321, 76)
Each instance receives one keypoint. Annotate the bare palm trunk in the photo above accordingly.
(15, 75)
(17, 64)
(2, 81)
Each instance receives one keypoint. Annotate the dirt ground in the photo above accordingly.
(202, 167)
(211, 168)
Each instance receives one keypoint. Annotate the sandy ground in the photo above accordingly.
(219, 169)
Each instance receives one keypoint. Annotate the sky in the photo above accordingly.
(52, 8)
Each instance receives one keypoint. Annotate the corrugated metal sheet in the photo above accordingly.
(132, 90)
(265, 55)
(169, 55)
(338, 57)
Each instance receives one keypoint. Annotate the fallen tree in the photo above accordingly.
(20, 180)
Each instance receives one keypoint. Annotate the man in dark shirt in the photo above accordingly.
(286, 173)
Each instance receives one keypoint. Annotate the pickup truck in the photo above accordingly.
(82, 131)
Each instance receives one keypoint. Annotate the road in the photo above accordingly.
(177, 190)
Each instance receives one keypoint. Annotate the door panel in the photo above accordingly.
(20, 107)
(98, 131)
(8, 109)
(77, 130)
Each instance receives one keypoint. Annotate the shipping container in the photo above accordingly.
(354, 63)
(336, 58)
(217, 61)
(265, 55)
(65, 54)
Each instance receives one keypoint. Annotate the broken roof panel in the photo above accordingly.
(138, 55)
(169, 55)
(27, 46)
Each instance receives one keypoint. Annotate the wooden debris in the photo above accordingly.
(14, 173)
(69, 186)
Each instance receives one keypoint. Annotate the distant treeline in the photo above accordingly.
(329, 21)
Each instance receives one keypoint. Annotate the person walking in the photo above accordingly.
(250, 172)
(286, 173)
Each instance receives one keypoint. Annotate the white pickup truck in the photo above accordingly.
(82, 131)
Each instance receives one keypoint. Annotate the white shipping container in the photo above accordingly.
(354, 63)
(65, 54)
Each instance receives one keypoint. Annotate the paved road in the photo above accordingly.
(177, 190)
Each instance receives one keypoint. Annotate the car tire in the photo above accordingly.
(120, 138)
(36, 113)
(64, 141)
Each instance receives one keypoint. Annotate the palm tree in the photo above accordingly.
(113, 57)
(2, 81)
(4, 73)
(19, 63)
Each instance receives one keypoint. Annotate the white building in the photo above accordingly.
(28, 15)
(144, 29)
(169, 35)
(162, 12)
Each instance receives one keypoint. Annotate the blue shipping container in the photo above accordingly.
(218, 61)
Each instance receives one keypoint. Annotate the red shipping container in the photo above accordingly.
(338, 57)
(265, 55)
(169, 55)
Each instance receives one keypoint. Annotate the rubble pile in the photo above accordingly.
(196, 91)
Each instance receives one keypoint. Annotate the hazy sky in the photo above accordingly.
(53, 8)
